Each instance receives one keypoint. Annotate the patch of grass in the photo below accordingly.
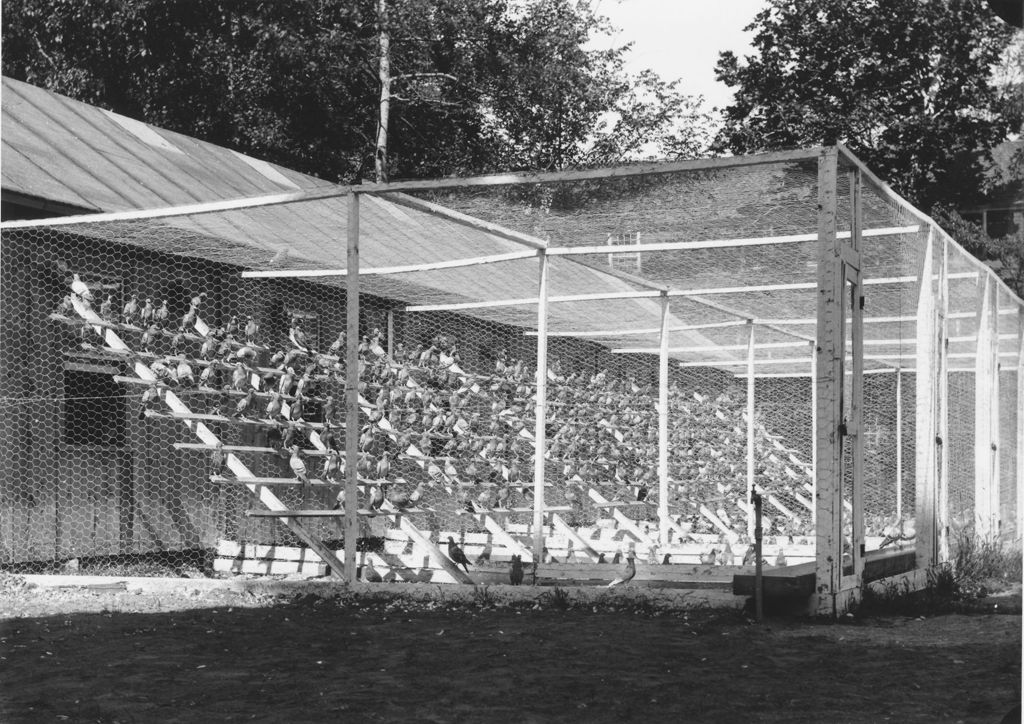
(983, 564)
(557, 599)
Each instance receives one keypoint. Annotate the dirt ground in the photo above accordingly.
(99, 655)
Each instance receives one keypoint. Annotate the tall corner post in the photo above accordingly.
(855, 418)
(352, 389)
(984, 387)
(664, 526)
(942, 402)
(751, 480)
(540, 411)
(1019, 481)
(828, 437)
(926, 400)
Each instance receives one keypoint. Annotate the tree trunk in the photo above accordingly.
(381, 155)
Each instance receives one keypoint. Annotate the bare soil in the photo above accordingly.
(107, 655)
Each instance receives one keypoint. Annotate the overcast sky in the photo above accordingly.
(682, 38)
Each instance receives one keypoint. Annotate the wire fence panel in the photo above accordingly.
(169, 386)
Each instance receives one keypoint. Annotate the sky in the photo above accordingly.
(682, 38)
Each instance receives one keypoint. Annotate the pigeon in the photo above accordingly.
(377, 497)
(152, 393)
(515, 570)
(162, 313)
(297, 408)
(297, 335)
(251, 330)
(339, 501)
(197, 300)
(332, 465)
(149, 336)
(299, 468)
(231, 328)
(80, 289)
(274, 406)
(218, 459)
(185, 374)
(627, 573)
(457, 555)
(709, 558)
(338, 345)
(146, 314)
(106, 308)
(245, 404)
(383, 466)
(131, 310)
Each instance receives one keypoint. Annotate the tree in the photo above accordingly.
(475, 85)
(905, 84)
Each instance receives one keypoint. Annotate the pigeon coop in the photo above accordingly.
(570, 367)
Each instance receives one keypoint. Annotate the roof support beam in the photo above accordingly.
(406, 269)
(720, 243)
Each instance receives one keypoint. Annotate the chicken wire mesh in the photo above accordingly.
(100, 461)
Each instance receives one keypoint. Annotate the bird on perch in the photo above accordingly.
(218, 459)
(151, 394)
(162, 313)
(457, 555)
(80, 289)
(377, 497)
(627, 573)
(252, 328)
(274, 406)
(332, 465)
(106, 308)
(245, 404)
(299, 469)
(146, 314)
(297, 335)
(131, 310)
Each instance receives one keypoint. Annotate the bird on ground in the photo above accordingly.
(299, 469)
(457, 555)
(80, 289)
(626, 574)
(131, 310)
(515, 570)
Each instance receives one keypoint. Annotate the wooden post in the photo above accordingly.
(391, 333)
(925, 458)
(983, 514)
(352, 389)
(663, 515)
(942, 494)
(758, 563)
(1019, 482)
(995, 437)
(899, 444)
(828, 437)
(540, 410)
(750, 425)
(814, 433)
(855, 423)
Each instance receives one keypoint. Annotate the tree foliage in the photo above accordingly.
(478, 85)
(905, 84)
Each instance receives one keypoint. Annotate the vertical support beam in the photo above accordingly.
(540, 410)
(925, 453)
(391, 333)
(352, 389)
(899, 444)
(814, 433)
(983, 513)
(942, 514)
(995, 438)
(828, 438)
(855, 428)
(1019, 482)
(663, 515)
(750, 427)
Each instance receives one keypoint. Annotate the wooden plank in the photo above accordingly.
(315, 482)
(582, 547)
(925, 478)
(439, 559)
(623, 522)
(307, 569)
(296, 513)
(501, 537)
